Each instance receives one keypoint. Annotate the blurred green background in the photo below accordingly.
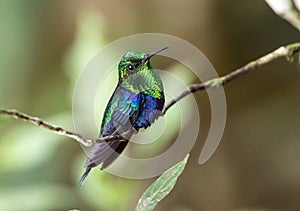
(45, 44)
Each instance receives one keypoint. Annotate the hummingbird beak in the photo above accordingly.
(149, 55)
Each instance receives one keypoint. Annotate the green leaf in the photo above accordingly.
(161, 187)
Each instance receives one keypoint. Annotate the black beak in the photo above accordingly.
(149, 55)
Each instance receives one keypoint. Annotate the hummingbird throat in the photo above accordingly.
(146, 81)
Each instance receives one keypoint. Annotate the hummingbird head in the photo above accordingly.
(135, 61)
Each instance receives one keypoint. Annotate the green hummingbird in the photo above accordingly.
(136, 103)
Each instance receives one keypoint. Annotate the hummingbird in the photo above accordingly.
(136, 103)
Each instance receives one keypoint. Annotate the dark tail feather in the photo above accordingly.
(86, 173)
(105, 153)
(117, 151)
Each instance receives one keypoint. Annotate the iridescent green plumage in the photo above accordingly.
(136, 102)
(144, 79)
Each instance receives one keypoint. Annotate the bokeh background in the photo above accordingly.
(44, 46)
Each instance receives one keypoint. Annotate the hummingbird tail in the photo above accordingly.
(118, 149)
(105, 153)
(84, 176)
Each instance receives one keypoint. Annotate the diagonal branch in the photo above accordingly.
(57, 130)
(41, 123)
(286, 51)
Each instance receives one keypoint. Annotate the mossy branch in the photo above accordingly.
(286, 51)
(57, 130)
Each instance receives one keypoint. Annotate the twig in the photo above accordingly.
(41, 123)
(58, 130)
(285, 51)
(286, 9)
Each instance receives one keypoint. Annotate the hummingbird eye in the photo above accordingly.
(130, 67)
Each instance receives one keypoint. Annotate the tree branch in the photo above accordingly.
(286, 9)
(286, 51)
(57, 130)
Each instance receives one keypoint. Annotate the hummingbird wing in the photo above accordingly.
(120, 115)
(151, 110)
(133, 111)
